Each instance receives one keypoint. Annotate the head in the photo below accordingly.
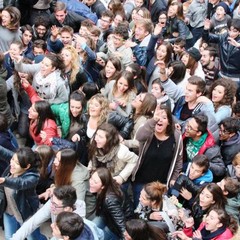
(16, 49)
(120, 35)
(165, 125)
(164, 52)
(143, 28)
(211, 195)
(199, 166)
(66, 34)
(236, 165)
(230, 187)
(124, 84)
(89, 89)
(106, 20)
(196, 127)
(157, 89)
(177, 71)
(138, 71)
(89, 2)
(23, 160)
(190, 57)
(41, 26)
(77, 104)
(63, 199)
(39, 47)
(112, 68)
(10, 18)
(208, 56)
(228, 128)
(152, 194)
(143, 13)
(234, 28)
(68, 226)
(162, 19)
(175, 9)
(60, 11)
(221, 10)
(27, 34)
(138, 3)
(119, 17)
(179, 46)
(195, 88)
(86, 25)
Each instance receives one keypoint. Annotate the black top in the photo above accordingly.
(185, 112)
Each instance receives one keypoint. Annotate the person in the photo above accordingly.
(217, 225)
(41, 28)
(120, 93)
(138, 229)
(112, 207)
(64, 199)
(234, 168)
(27, 35)
(96, 6)
(157, 136)
(105, 150)
(39, 49)
(68, 171)
(156, 7)
(19, 181)
(179, 47)
(198, 139)
(9, 27)
(229, 139)
(104, 23)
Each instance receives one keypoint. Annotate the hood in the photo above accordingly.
(233, 140)
(86, 234)
(206, 178)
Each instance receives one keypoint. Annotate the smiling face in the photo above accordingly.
(32, 112)
(67, 57)
(140, 32)
(100, 138)
(220, 13)
(75, 107)
(26, 37)
(218, 94)
(6, 18)
(162, 124)
(161, 52)
(95, 183)
(191, 129)
(14, 50)
(206, 199)
(46, 67)
(15, 168)
(109, 69)
(172, 11)
(122, 85)
(94, 108)
(185, 58)
(212, 222)
(60, 15)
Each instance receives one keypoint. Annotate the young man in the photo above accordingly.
(38, 50)
(179, 48)
(96, 6)
(64, 199)
(105, 22)
(41, 28)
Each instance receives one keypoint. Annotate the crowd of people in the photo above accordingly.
(129, 118)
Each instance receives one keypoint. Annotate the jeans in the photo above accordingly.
(108, 234)
(11, 225)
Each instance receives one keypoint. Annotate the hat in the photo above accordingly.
(224, 6)
(194, 53)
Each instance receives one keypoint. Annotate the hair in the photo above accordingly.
(60, 6)
(2, 56)
(212, 51)
(109, 186)
(80, 97)
(129, 77)
(39, 43)
(170, 127)
(180, 42)
(87, 23)
(236, 107)
(56, 61)
(44, 112)
(70, 224)
(229, 91)
(107, 13)
(90, 89)
(226, 220)
(75, 64)
(18, 43)
(231, 124)
(122, 14)
(46, 155)
(169, 49)
(202, 161)
(232, 186)
(104, 107)
(117, 64)
(121, 30)
(95, 31)
(139, 229)
(26, 156)
(236, 160)
(202, 122)
(199, 82)
(106, 34)
(42, 21)
(146, 12)
(67, 194)
(26, 28)
(63, 175)
(15, 18)
(146, 24)
(179, 13)
(67, 29)
(112, 139)
(235, 23)
(192, 63)
(155, 191)
(116, 6)
(148, 106)
(179, 71)
(3, 123)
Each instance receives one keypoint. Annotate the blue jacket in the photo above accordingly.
(24, 195)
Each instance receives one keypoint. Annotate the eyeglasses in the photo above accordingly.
(223, 131)
(190, 128)
(118, 39)
(104, 20)
(55, 205)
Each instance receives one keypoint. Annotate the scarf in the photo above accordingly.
(207, 235)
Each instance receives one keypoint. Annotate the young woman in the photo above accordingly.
(157, 137)
(19, 181)
(112, 208)
(68, 171)
(120, 93)
(105, 150)
(218, 225)
(9, 27)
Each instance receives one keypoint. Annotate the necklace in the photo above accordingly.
(159, 142)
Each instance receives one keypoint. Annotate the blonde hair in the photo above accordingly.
(236, 160)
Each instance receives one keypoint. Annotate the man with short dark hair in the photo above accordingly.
(96, 6)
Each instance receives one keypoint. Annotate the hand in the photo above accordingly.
(43, 135)
(161, 65)
(2, 180)
(174, 200)
(181, 235)
(207, 24)
(25, 83)
(172, 182)
(197, 234)
(187, 20)
(185, 194)
(54, 31)
(113, 105)
(130, 43)
(76, 138)
(156, 216)
(157, 29)
(47, 194)
(178, 126)
(233, 42)
(203, 99)
(118, 179)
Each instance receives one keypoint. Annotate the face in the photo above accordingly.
(66, 38)
(144, 199)
(67, 57)
(206, 199)
(162, 20)
(185, 58)
(212, 221)
(237, 170)
(109, 69)
(41, 30)
(195, 171)
(118, 19)
(56, 205)
(100, 138)
(220, 13)
(55, 231)
(224, 135)
(95, 183)
(14, 50)
(177, 49)
(233, 33)
(23, 76)
(90, 2)
(75, 107)
(218, 94)
(46, 67)
(122, 85)
(32, 112)
(137, 102)
(161, 52)
(60, 15)
(38, 51)
(26, 37)
(140, 32)
(205, 59)
(138, 3)
(134, 15)
(156, 91)
(15, 168)
(105, 23)
(191, 94)
(6, 18)
(57, 160)
(139, 15)
(94, 108)
(163, 122)
(191, 128)
(83, 31)
(118, 40)
(172, 10)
